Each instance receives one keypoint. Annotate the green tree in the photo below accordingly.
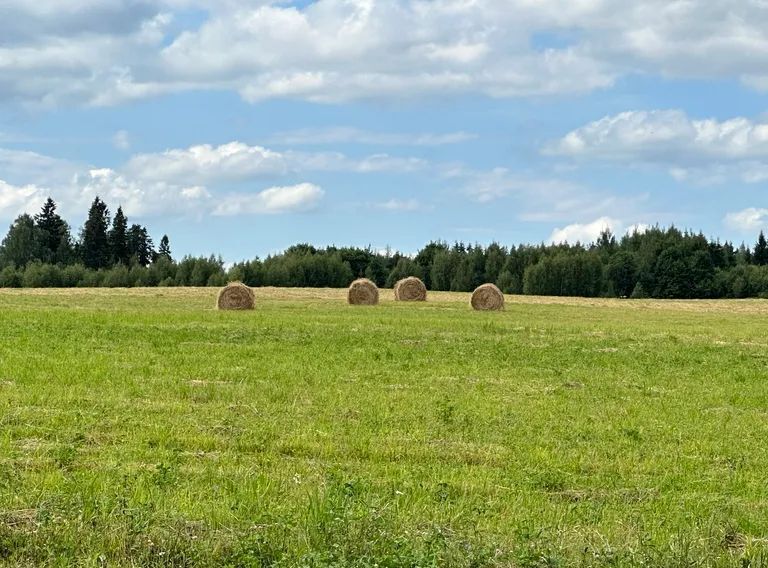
(54, 234)
(165, 248)
(606, 243)
(140, 246)
(495, 257)
(443, 268)
(118, 239)
(376, 271)
(671, 274)
(358, 259)
(622, 273)
(464, 275)
(404, 268)
(760, 257)
(10, 277)
(94, 243)
(23, 243)
(426, 258)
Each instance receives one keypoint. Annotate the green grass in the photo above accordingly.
(143, 428)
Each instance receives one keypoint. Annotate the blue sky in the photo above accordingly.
(241, 128)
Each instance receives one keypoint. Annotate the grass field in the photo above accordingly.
(144, 428)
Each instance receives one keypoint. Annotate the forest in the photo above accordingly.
(660, 262)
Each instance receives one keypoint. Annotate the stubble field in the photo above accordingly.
(144, 428)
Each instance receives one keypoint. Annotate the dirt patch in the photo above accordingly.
(21, 519)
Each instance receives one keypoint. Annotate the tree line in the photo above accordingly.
(41, 251)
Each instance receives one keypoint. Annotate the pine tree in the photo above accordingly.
(118, 239)
(761, 251)
(54, 233)
(165, 248)
(94, 242)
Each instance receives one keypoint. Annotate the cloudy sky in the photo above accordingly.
(244, 126)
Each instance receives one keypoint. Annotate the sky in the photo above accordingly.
(241, 127)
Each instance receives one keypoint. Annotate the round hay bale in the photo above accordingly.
(487, 297)
(410, 289)
(236, 296)
(363, 292)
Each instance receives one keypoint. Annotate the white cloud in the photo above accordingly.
(165, 198)
(338, 50)
(238, 161)
(121, 140)
(138, 197)
(205, 163)
(400, 205)
(81, 51)
(583, 233)
(485, 187)
(172, 193)
(287, 199)
(748, 220)
(108, 51)
(23, 167)
(338, 162)
(586, 233)
(19, 199)
(666, 136)
(706, 151)
(538, 198)
(345, 135)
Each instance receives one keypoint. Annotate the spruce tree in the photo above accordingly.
(54, 233)
(140, 246)
(761, 251)
(165, 248)
(94, 248)
(118, 239)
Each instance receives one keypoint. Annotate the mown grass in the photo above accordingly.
(143, 428)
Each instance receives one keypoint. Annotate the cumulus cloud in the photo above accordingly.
(238, 161)
(748, 220)
(586, 233)
(137, 197)
(80, 51)
(204, 163)
(26, 21)
(108, 51)
(337, 50)
(18, 199)
(665, 136)
(283, 199)
(704, 152)
(178, 182)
